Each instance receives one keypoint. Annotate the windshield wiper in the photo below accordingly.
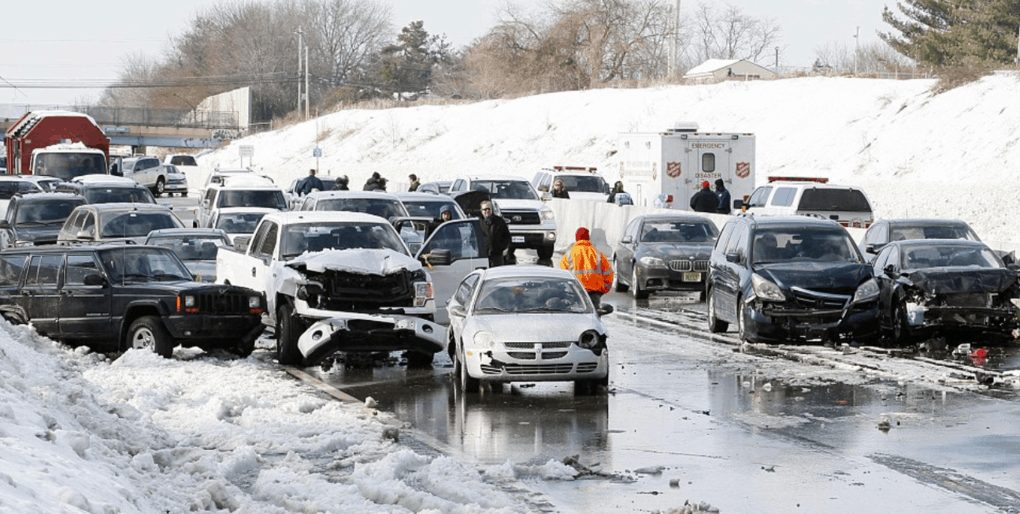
(136, 276)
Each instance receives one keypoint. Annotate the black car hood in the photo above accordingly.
(828, 277)
(676, 250)
(962, 280)
(35, 234)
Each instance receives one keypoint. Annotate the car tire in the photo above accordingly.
(288, 330)
(620, 286)
(635, 285)
(741, 322)
(900, 332)
(546, 252)
(419, 360)
(160, 187)
(465, 382)
(715, 325)
(149, 332)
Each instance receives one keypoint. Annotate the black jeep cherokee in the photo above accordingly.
(115, 297)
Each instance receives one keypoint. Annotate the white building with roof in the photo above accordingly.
(715, 70)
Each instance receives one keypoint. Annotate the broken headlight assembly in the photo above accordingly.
(422, 293)
(310, 292)
(866, 292)
(589, 339)
(484, 340)
(765, 290)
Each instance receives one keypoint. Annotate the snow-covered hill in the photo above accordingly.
(915, 153)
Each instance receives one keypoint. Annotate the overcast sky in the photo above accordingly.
(75, 39)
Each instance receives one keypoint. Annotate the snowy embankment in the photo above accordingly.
(143, 434)
(914, 153)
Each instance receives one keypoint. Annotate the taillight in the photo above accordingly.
(669, 198)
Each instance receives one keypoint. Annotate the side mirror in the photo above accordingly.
(890, 270)
(627, 240)
(4, 224)
(94, 279)
(546, 196)
(457, 310)
(738, 204)
(241, 243)
(873, 248)
(84, 234)
(733, 257)
(604, 309)
(205, 204)
(438, 257)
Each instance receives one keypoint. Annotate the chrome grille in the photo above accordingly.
(587, 367)
(524, 356)
(531, 346)
(684, 265)
(554, 355)
(528, 369)
(817, 300)
(522, 217)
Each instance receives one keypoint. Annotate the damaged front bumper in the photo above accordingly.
(570, 363)
(780, 323)
(1001, 320)
(354, 332)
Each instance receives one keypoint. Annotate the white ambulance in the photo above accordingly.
(664, 169)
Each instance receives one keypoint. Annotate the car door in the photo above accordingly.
(731, 269)
(12, 267)
(460, 303)
(626, 249)
(84, 309)
(260, 275)
(40, 291)
(888, 257)
(465, 242)
(206, 207)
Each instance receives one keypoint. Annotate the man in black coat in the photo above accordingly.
(724, 197)
(308, 184)
(497, 235)
(705, 200)
(375, 182)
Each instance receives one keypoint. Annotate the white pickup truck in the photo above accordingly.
(344, 281)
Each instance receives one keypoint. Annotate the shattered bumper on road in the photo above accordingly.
(353, 332)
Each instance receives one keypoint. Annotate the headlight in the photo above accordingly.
(550, 236)
(254, 302)
(547, 214)
(422, 293)
(766, 290)
(866, 292)
(189, 301)
(484, 340)
(652, 262)
(588, 339)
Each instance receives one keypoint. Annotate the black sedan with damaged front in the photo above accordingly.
(934, 287)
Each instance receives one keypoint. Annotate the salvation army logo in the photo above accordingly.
(673, 169)
(743, 169)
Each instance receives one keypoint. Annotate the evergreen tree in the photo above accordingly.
(406, 66)
(954, 32)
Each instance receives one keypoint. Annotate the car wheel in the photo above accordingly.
(160, 186)
(288, 330)
(620, 286)
(635, 286)
(148, 332)
(465, 382)
(741, 321)
(715, 325)
(899, 322)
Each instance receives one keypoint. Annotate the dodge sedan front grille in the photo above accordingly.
(529, 369)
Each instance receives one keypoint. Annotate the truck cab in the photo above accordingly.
(68, 160)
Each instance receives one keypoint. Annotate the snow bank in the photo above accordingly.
(145, 434)
(915, 154)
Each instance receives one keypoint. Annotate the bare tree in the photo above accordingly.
(346, 34)
(729, 33)
(874, 57)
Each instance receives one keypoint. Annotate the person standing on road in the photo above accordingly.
(705, 200)
(497, 234)
(415, 184)
(342, 182)
(723, 195)
(445, 214)
(309, 184)
(375, 182)
(590, 266)
(559, 190)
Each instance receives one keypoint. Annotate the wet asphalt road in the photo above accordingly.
(691, 420)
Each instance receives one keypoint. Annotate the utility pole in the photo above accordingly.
(857, 41)
(672, 66)
(306, 83)
(777, 59)
(1018, 45)
(300, 41)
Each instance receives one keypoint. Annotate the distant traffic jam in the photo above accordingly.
(91, 258)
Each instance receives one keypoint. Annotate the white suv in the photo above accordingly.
(147, 171)
(580, 183)
(531, 222)
(813, 197)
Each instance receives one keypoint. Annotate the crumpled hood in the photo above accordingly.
(677, 250)
(540, 327)
(519, 205)
(954, 279)
(360, 260)
(832, 277)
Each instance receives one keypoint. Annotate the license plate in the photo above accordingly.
(516, 239)
(692, 277)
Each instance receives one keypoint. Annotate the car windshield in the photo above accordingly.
(430, 209)
(381, 207)
(797, 244)
(143, 265)
(315, 237)
(53, 212)
(924, 256)
(506, 189)
(239, 222)
(666, 231)
(583, 183)
(137, 224)
(270, 198)
(67, 165)
(9, 188)
(190, 248)
(530, 294)
(898, 233)
(118, 195)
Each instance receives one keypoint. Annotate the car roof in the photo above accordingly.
(674, 217)
(229, 210)
(124, 206)
(77, 247)
(803, 221)
(526, 271)
(323, 195)
(166, 232)
(99, 178)
(939, 242)
(807, 184)
(474, 178)
(13, 178)
(42, 197)
(39, 178)
(916, 222)
(423, 197)
(291, 217)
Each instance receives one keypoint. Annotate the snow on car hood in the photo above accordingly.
(361, 260)
(539, 327)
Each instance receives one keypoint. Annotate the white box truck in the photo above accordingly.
(664, 169)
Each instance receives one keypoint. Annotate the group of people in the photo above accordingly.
(706, 200)
(374, 183)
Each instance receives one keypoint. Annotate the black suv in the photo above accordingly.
(36, 219)
(115, 297)
(790, 279)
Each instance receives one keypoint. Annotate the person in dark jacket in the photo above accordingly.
(445, 214)
(559, 190)
(342, 183)
(497, 235)
(705, 200)
(617, 188)
(308, 184)
(414, 183)
(375, 182)
(723, 195)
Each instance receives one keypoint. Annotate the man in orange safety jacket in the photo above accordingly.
(592, 269)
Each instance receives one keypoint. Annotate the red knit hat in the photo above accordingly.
(582, 234)
(704, 184)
